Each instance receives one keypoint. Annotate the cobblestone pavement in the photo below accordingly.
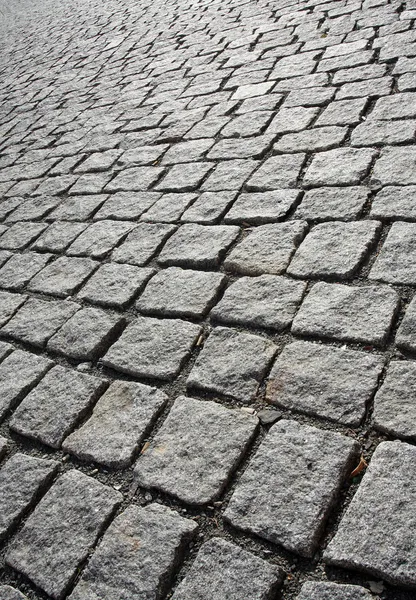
(207, 311)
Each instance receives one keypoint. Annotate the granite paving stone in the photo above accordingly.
(177, 292)
(395, 263)
(266, 249)
(9, 593)
(34, 208)
(98, 161)
(87, 334)
(31, 369)
(66, 525)
(52, 410)
(326, 590)
(184, 177)
(383, 133)
(4, 256)
(20, 235)
(126, 206)
(100, 238)
(266, 301)
(198, 246)
(334, 249)
(118, 424)
(22, 479)
(9, 304)
(262, 207)
(37, 320)
(229, 148)
(5, 350)
(137, 555)
(20, 268)
(292, 119)
(134, 179)
(398, 106)
(395, 203)
(406, 334)
(375, 533)
(396, 166)
(195, 452)
(63, 277)
(341, 166)
(227, 572)
(58, 236)
(332, 203)
(77, 208)
(394, 408)
(291, 484)
(229, 175)
(342, 112)
(142, 243)
(169, 208)
(115, 284)
(355, 314)
(209, 207)
(277, 172)
(324, 381)
(232, 364)
(311, 140)
(90, 183)
(153, 348)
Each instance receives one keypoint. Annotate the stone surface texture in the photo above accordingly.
(207, 228)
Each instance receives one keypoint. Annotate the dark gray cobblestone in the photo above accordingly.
(212, 200)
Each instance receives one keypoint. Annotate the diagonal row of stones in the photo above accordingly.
(207, 271)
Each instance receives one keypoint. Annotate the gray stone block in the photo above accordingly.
(334, 249)
(20, 235)
(395, 202)
(323, 381)
(153, 347)
(143, 243)
(63, 276)
(229, 175)
(232, 364)
(9, 304)
(87, 334)
(169, 208)
(342, 112)
(58, 236)
(198, 246)
(209, 207)
(267, 249)
(31, 369)
(317, 590)
(9, 593)
(376, 533)
(53, 409)
(395, 262)
(342, 166)
(394, 407)
(266, 301)
(184, 177)
(3, 446)
(137, 556)
(120, 420)
(115, 284)
(20, 268)
(292, 119)
(264, 207)
(126, 206)
(176, 292)
(277, 172)
(100, 238)
(195, 452)
(290, 486)
(135, 179)
(328, 204)
(396, 166)
(355, 314)
(225, 571)
(37, 320)
(311, 140)
(77, 208)
(22, 478)
(383, 132)
(65, 524)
